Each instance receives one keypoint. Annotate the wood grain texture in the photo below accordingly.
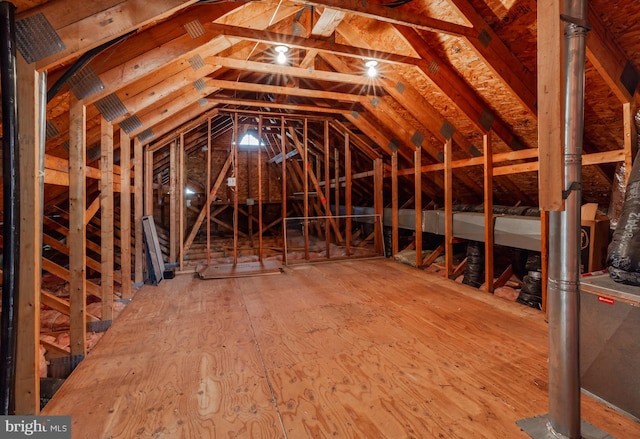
(326, 350)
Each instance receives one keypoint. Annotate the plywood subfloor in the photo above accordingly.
(358, 349)
(243, 269)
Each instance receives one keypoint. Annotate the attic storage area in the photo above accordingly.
(261, 137)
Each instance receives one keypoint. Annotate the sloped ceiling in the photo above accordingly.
(448, 68)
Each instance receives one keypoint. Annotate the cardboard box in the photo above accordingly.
(594, 239)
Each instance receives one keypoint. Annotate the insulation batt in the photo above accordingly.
(623, 256)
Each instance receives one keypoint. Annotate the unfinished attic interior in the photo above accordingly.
(288, 219)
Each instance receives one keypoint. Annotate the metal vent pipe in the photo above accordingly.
(11, 226)
(564, 240)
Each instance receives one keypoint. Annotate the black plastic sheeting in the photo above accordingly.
(474, 270)
(623, 255)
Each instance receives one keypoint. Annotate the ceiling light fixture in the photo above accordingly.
(282, 50)
(372, 71)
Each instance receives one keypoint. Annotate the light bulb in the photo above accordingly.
(372, 72)
(281, 58)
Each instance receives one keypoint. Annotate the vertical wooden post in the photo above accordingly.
(208, 186)
(31, 94)
(550, 104)
(417, 166)
(181, 198)
(283, 145)
(148, 183)
(305, 161)
(77, 228)
(394, 203)
(173, 199)
(488, 211)
(378, 204)
(448, 207)
(138, 213)
(259, 188)
(106, 218)
(630, 137)
(347, 191)
(125, 213)
(327, 189)
(234, 147)
(336, 192)
(249, 195)
(544, 258)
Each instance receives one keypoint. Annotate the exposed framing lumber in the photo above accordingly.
(544, 257)
(448, 207)
(326, 25)
(283, 147)
(61, 305)
(305, 183)
(550, 105)
(488, 211)
(173, 200)
(396, 16)
(327, 190)
(65, 274)
(609, 60)
(106, 219)
(498, 57)
(348, 191)
(148, 182)
(234, 149)
(378, 204)
(394, 203)
(208, 185)
(181, 180)
(260, 225)
(206, 208)
(125, 213)
(77, 228)
(336, 176)
(31, 91)
(69, 21)
(630, 137)
(417, 163)
(138, 190)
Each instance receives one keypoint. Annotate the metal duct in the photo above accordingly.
(11, 227)
(564, 240)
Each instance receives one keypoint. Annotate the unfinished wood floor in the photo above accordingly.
(358, 349)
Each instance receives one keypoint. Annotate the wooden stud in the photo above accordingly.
(173, 199)
(31, 94)
(544, 257)
(336, 191)
(327, 189)
(305, 161)
(394, 203)
(138, 276)
(208, 185)
(630, 137)
(448, 207)
(347, 191)
(181, 200)
(259, 188)
(106, 219)
(234, 148)
(378, 205)
(550, 105)
(283, 147)
(125, 213)
(148, 183)
(488, 211)
(77, 227)
(212, 195)
(418, 204)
